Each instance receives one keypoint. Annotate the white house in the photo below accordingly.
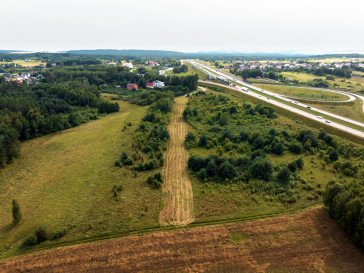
(128, 65)
(158, 84)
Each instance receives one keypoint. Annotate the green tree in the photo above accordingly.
(278, 148)
(333, 155)
(211, 168)
(203, 141)
(224, 119)
(284, 175)
(261, 169)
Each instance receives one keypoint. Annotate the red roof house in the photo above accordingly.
(130, 86)
(149, 84)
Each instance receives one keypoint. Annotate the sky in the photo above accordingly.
(318, 26)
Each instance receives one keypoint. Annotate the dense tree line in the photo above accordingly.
(180, 69)
(346, 206)
(152, 134)
(248, 73)
(28, 111)
(339, 72)
(100, 75)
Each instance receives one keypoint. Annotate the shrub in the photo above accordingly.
(299, 163)
(158, 176)
(203, 141)
(292, 166)
(155, 181)
(41, 234)
(333, 155)
(16, 212)
(244, 136)
(190, 137)
(278, 148)
(196, 163)
(124, 156)
(211, 168)
(226, 170)
(59, 234)
(202, 174)
(284, 175)
(31, 240)
(128, 162)
(259, 142)
(257, 153)
(296, 147)
(261, 169)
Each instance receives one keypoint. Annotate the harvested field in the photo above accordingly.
(177, 190)
(305, 242)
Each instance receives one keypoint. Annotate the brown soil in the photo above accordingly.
(177, 189)
(305, 242)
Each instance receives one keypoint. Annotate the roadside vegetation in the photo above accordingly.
(304, 93)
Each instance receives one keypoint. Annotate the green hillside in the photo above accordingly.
(64, 181)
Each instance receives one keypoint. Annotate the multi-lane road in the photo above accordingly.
(276, 99)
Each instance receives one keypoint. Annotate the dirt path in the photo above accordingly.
(177, 189)
(305, 242)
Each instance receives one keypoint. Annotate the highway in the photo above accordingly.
(213, 72)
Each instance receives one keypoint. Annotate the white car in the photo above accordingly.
(320, 117)
(327, 121)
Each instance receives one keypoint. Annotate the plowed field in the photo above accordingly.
(305, 242)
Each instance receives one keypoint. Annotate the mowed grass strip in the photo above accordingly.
(177, 190)
(304, 93)
(65, 180)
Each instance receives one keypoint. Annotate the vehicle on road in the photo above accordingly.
(320, 117)
(245, 89)
(308, 107)
(327, 121)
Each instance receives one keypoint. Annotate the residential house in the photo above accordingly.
(131, 86)
(158, 84)
(128, 65)
(149, 85)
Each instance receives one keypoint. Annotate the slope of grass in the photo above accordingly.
(352, 110)
(191, 71)
(304, 93)
(350, 85)
(65, 181)
(228, 201)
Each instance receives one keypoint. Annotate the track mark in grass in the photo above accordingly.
(177, 189)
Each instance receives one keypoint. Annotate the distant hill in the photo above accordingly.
(128, 52)
(9, 51)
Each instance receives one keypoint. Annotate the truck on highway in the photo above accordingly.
(245, 89)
